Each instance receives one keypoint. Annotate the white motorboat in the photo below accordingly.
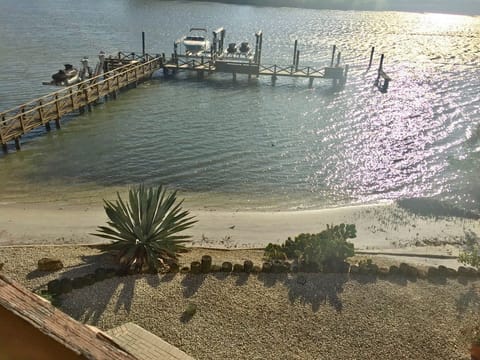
(196, 42)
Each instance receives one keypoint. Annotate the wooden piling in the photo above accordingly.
(333, 55)
(310, 82)
(143, 43)
(297, 60)
(380, 66)
(371, 57)
(17, 143)
(5, 148)
(295, 52)
(338, 59)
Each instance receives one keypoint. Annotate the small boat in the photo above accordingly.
(67, 76)
(244, 49)
(196, 42)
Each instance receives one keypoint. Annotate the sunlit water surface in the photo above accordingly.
(251, 144)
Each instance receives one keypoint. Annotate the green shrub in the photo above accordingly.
(471, 255)
(145, 228)
(316, 251)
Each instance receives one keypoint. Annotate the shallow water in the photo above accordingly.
(244, 144)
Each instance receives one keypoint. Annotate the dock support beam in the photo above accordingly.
(17, 143)
(5, 148)
(310, 82)
(47, 126)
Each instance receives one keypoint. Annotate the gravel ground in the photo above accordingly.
(269, 316)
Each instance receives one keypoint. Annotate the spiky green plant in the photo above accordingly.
(145, 229)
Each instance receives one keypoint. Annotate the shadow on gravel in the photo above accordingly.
(191, 283)
(317, 289)
(470, 300)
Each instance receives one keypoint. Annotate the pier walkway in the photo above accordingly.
(122, 71)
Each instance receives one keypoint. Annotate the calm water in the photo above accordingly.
(252, 144)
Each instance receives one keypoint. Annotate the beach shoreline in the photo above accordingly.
(380, 227)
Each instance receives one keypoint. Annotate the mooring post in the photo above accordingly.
(338, 59)
(380, 66)
(17, 143)
(295, 52)
(298, 60)
(333, 55)
(345, 73)
(274, 75)
(386, 81)
(143, 43)
(310, 82)
(371, 57)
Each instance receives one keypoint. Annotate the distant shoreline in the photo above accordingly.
(461, 7)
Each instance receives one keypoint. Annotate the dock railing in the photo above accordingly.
(21, 119)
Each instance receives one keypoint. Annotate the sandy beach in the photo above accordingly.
(380, 228)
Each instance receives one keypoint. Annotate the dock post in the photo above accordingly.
(47, 126)
(371, 57)
(338, 59)
(380, 66)
(345, 73)
(143, 43)
(386, 81)
(200, 74)
(17, 143)
(295, 52)
(274, 75)
(310, 82)
(5, 148)
(333, 55)
(298, 60)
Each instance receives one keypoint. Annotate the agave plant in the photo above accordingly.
(145, 229)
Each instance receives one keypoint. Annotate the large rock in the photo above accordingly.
(49, 264)
(1, 266)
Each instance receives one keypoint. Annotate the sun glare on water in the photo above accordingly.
(444, 22)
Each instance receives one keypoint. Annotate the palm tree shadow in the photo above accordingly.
(317, 289)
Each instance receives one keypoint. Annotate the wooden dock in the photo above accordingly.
(128, 69)
(122, 71)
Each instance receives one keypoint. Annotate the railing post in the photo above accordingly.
(57, 107)
(71, 97)
(4, 144)
(22, 126)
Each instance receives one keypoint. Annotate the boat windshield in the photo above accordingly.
(195, 38)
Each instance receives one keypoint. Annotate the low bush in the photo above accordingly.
(321, 251)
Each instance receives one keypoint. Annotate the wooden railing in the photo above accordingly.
(291, 71)
(20, 120)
